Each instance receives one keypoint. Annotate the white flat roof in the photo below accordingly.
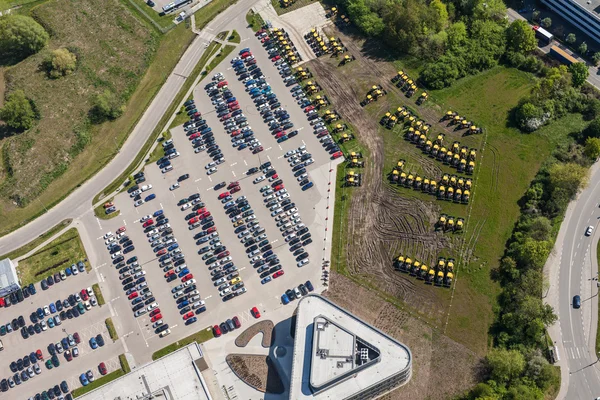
(174, 374)
(392, 356)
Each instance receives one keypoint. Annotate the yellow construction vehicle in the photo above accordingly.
(452, 181)
(408, 264)
(394, 176)
(391, 122)
(407, 85)
(427, 146)
(330, 116)
(473, 130)
(441, 153)
(416, 136)
(347, 58)
(435, 150)
(410, 180)
(423, 272)
(455, 120)
(439, 278)
(441, 265)
(374, 89)
(448, 116)
(472, 155)
(441, 192)
(448, 157)
(367, 100)
(399, 264)
(432, 186)
(445, 179)
(455, 160)
(355, 154)
(450, 196)
(346, 137)
(449, 265)
(465, 198)
(412, 89)
(397, 77)
(422, 140)
(340, 128)
(355, 163)
(430, 276)
(460, 183)
(353, 179)
(468, 183)
(320, 104)
(456, 147)
(425, 187)
(400, 165)
(410, 134)
(416, 266)
(448, 279)
(458, 195)
(440, 139)
(450, 223)
(399, 111)
(424, 96)
(460, 223)
(462, 165)
(402, 179)
(464, 124)
(441, 223)
(384, 120)
(402, 81)
(464, 151)
(320, 99)
(471, 167)
(418, 182)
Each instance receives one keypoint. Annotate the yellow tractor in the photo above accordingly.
(330, 116)
(440, 139)
(441, 265)
(320, 100)
(416, 266)
(402, 81)
(460, 224)
(399, 111)
(369, 99)
(425, 187)
(464, 124)
(432, 186)
(455, 120)
(472, 155)
(410, 134)
(456, 147)
(353, 179)
(466, 195)
(408, 264)
(395, 176)
(399, 264)
(397, 77)
(474, 130)
(402, 179)
(347, 59)
(340, 128)
(448, 279)
(355, 163)
(441, 223)
(448, 157)
(462, 165)
(441, 153)
(468, 183)
(422, 140)
(374, 89)
(441, 192)
(412, 89)
(471, 167)
(435, 150)
(450, 196)
(354, 154)
(319, 104)
(424, 96)
(391, 122)
(439, 278)
(418, 183)
(448, 116)
(346, 137)
(384, 120)
(427, 146)
(455, 160)
(423, 271)
(430, 277)
(400, 165)
(452, 181)
(458, 195)
(449, 265)
(410, 180)
(450, 223)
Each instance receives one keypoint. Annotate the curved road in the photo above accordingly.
(79, 202)
(573, 271)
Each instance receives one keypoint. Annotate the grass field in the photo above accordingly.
(37, 241)
(164, 21)
(55, 256)
(159, 151)
(98, 294)
(198, 69)
(255, 21)
(110, 326)
(104, 379)
(104, 138)
(6, 4)
(211, 10)
(200, 337)
(234, 37)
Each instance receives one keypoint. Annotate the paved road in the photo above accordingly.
(78, 203)
(573, 271)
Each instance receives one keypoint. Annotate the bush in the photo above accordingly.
(546, 23)
(106, 106)
(18, 111)
(61, 62)
(529, 117)
(571, 38)
(21, 36)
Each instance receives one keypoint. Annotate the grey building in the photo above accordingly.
(9, 281)
(581, 13)
(337, 356)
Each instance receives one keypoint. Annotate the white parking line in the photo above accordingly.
(275, 241)
(208, 189)
(269, 148)
(116, 298)
(207, 297)
(199, 179)
(124, 223)
(100, 226)
(280, 157)
(303, 142)
(210, 179)
(280, 148)
(161, 206)
(269, 157)
(245, 162)
(234, 164)
(234, 175)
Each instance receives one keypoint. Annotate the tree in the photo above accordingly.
(18, 112)
(489, 10)
(457, 35)
(61, 62)
(368, 21)
(520, 38)
(505, 365)
(441, 13)
(533, 253)
(567, 176)
(596, 58)
(536, 15)
(21, 36)
(579, 73)
(583, 48)
(106, 106)
(546, 23)
(529, 117)
(592, 148)
(571, 38)
(593, 129)
(540, 228)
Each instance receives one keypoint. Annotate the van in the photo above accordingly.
(146, 187)
(166, 169)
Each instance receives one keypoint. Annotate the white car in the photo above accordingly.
(165, 226)
(224, 292)
(189, 283)
(108, 234)
(259, 179)
(589, 230)
(110, 240)
(135, 193)
(138, 203)
(174, 186)
(152, 233)
(211, 171)
(303, 262)
(145, 218)
(117, 254)
(185, 206)
(210, 165)
(146, 187)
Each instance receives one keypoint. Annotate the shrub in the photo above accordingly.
(61, 62)
(21, 36)
(18, 111)
(106, 106)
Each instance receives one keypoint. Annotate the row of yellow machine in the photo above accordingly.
(441, 274)
(322, 45)
(448, 223)
(286, 46)
(375, 93)
(461, 123)
(408, 86)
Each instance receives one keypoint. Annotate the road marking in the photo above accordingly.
(245, 162)
(243, 268)
(234, 164)
(275, 241)
(280, 148)
(207, 297)
(161, 206)
(124, 223)
(303, 142)
(137, 211)
(234, 175)
(199, 179)
(127, 334)
(210, 179)
(269, 157)
(116, 298)
(100, 237)
(208, 189)
(99, 225)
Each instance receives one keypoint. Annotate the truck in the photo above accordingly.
(543, 35)
(562, 55)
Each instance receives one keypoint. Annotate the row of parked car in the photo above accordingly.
(136, 191)
(297, 292)
(23, 369)
(299, 160)
(54, 392)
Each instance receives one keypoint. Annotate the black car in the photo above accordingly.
(3, 385)
(252, 170)
(100, 340)
(183, 177)
(13, 367)
(37, 328)
(51, 349)
(30, 330)
(75, 311)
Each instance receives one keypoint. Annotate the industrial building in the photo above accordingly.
(581, 13)
(9, 280)
(337, 356)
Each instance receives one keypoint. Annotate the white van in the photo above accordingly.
(146, 187)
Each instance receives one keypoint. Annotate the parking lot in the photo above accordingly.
(138, 335)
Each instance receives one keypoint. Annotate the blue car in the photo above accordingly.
(84, 380)
(40, 313)
(242, 146)
(191, 321)
(266, 280)
(282, 139)
(244, 50)
(68, 271)
(93, 345)
(183, 304)
(183, 272)
(173, 247)
(52, 308)
(284, 299)
(158, 213)
(307, 186)
(32, 289)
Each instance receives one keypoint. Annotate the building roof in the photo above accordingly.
(337, 355)
(174, 377)
(8, 274)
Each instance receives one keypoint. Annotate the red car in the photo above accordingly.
(39, 355)
(154, 312)
(132, 295)
(278, 187)
(216, 331)
(187, 277)
(235, 133)
(222, 83)
(275, 176)
(102, 369)
(169, 273)
(257, 149)
(280, 134)
(162, 252)
(223, 254)
(233, 103)
(156, 318)
(309, 108)
(193, 220)
(77, 338)
(148, 223)
(201, 211)
(234, 108)
(236, 189)
(264, 39)
(121, 229)
(68, 355)
(211, 229)
(194, 135)
(225, 117)
(253, 61)
(337, 154)
(277, 274)
(322, 133)
(196, 115)
(233, 184)
(206, 214)
(223, 195)
(188, 315)
(246, 54)
(84, 295)
(277, 57)
(255, 312)
(236, 322)
(256, 34)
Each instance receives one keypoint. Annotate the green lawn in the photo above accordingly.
(159, 151)
(37, 241)
(212, 48)
(100, 211)
(255, 21)
(6, 4)
(210, 11)
(110, 326)
(200, 337)
(98, 294)
(55, 256)
(164, 21)
(104, 379)
(234, 37)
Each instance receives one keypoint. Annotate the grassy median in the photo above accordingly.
(254, 20)
(98, 294)
(100, 211)
(200, 337)
(210, 11)
(110, 326)
(36, 242)
(57, 255)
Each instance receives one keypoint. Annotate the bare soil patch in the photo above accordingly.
(265, 327)
(257, 371)
(436, 358)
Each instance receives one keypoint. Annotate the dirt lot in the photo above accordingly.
(442, 368)
(256, 371)
(263, 327)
